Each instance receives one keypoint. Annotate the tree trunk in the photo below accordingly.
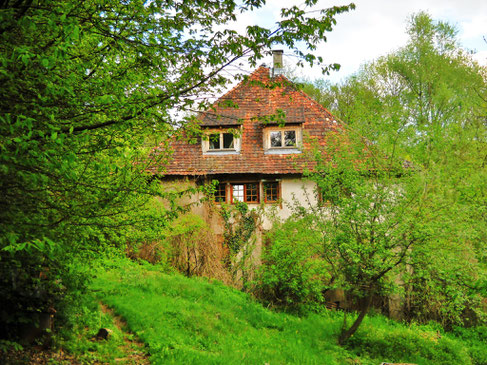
(346, 334)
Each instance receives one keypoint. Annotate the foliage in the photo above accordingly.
(370, 217)
(293, 273)
(191, 320)
(380, 338)
(193, 248)
(425, 104)
(474, 339)
(240, 223)
(239, 236)
(88, 88)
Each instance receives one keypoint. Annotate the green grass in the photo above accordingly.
(80, 339)
(193, 321)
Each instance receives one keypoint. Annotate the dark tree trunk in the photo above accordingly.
(346, 334)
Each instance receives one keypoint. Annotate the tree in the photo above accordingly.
(370, 218)
(85, 86)
(426, 104)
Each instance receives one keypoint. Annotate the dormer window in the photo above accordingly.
(218, 141)
(221, 141)
(286, 139)
(283, 139)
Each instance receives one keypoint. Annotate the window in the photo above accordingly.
(220, 193)
(221, 141)
(238, 193)
(271, 192)
(248, 193)
(283, 139)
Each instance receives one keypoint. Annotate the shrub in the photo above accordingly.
(475, 338)
(378, 339)
(292, 273)
(193, 248)
(36, 282)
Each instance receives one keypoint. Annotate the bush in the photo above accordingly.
(292, 274)
(397, 343)
(475, 338)
(37, 282)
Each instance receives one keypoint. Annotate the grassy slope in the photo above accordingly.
(193, 321)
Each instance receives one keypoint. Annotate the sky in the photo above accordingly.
(378, 27)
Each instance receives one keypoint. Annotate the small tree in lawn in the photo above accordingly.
(369, 218)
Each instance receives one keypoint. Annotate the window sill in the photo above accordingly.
(222, 152)
(281, 151)
(248, 203)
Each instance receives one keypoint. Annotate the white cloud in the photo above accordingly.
(378, 27)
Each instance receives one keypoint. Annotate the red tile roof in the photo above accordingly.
(255, 97)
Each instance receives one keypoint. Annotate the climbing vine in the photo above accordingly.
(239, 236)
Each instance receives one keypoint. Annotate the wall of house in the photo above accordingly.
(294, 191)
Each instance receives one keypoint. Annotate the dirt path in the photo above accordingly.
(134, 350)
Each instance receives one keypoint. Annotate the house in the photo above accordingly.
(253, 144)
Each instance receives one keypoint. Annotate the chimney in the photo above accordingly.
(278, 66)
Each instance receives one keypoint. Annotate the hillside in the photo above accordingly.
(194, 321)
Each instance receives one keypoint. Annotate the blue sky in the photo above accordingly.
(377, 27)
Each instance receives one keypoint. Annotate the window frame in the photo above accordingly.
(218, 190)
(283, 138)
(245, 184)
(206, 139)
(267, 140)
(221, 142)
(278, 191)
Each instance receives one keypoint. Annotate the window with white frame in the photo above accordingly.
(285, 138)
(221, 141)
(217, 141)
(245, 192)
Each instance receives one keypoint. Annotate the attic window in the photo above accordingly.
(283, 139)
(221, 141)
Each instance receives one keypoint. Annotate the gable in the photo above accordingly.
(255, 110)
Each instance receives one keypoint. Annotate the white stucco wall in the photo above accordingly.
(293, 191)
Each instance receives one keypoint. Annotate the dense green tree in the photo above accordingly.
(425, 104)
(369, 217)
(84, 86)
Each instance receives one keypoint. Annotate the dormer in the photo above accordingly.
(221, 134)
(286, 134)
(282, 139)
(221, 141)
